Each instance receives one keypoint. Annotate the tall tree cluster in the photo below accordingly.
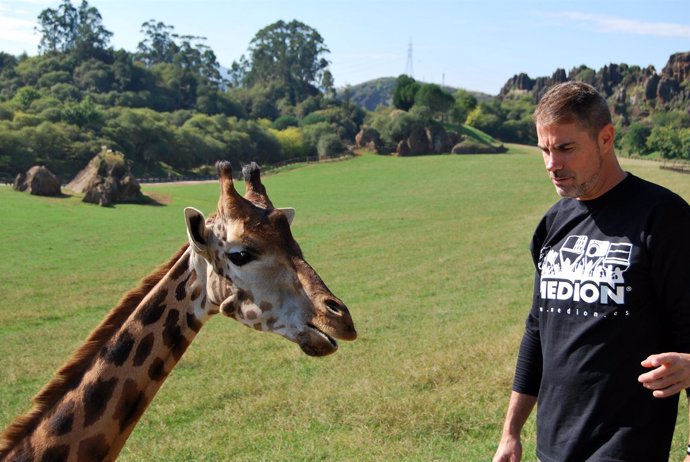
(167, 106)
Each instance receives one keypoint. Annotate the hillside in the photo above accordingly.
(379, 92)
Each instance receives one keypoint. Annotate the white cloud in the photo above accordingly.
(605, 23)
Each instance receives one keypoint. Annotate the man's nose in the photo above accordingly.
(553, 162)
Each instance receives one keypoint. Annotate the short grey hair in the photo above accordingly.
(574, 102)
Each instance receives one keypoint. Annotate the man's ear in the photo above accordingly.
(289, 213)
(607, 136)
(197, 232)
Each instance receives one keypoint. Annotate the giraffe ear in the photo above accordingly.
(289, 213)
(197, 233)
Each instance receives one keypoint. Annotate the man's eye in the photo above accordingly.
(240, 258)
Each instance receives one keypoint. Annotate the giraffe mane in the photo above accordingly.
(74, 369)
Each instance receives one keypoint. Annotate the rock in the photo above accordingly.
(38, 181)
(106, 180)
(369, 139)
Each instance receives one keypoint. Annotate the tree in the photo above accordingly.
(432, 96)
(70, 29)
(406, 89)
(464, 103)
(290, 55)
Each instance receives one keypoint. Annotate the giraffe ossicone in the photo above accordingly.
(241, 261)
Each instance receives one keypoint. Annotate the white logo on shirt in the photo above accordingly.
(587, 270)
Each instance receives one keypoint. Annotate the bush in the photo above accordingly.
(329, 145)
(292, 142)
(285, 121)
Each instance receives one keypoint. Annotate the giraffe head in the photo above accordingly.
(256, 273)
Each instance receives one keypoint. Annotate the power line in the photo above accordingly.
(409, 67)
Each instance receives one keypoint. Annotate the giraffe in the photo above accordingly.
(242, 262)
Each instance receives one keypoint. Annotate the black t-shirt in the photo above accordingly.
(612, 287)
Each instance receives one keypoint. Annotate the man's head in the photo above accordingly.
(575, 135)
(574, 102)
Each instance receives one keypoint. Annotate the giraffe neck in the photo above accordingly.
(100, 407)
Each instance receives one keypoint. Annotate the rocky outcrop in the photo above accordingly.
(39, 181)
(369, 138)
(106, 180)
(432, 139)
(630, 89)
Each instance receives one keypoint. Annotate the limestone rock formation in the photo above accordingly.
(38, 180)
(106, 180)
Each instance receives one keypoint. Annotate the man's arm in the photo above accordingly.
(519, 409)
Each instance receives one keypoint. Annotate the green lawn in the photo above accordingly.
(430, 254)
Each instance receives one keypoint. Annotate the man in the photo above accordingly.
(612, 291)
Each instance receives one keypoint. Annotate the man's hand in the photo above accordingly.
(670, 374)
(509, 450)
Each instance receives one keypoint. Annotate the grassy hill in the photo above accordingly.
(379, 92)
(430, 254)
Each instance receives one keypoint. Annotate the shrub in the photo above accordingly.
(292, 142)
(329, 145)
(285, 121)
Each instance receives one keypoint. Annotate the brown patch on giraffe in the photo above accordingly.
(271, 323)
(118, 352)
(181, 290)
(56, 453)
(172, 335)
(244, 295)
(94, 448)
(96, 397)
(24, 453)
(157, 370)
(193, 323)
(62, 421)
(71, 374)
(195, 293)
(143, 350)
(154, 308)
(131, 406)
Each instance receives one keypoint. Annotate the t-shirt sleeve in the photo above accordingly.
(528, 370)
(668, 241)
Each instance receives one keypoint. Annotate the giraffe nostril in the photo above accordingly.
(335, 307)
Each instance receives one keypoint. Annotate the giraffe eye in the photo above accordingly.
(240, 258)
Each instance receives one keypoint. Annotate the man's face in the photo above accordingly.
(573, 159)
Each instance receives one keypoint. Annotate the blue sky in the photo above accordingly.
(472, 44)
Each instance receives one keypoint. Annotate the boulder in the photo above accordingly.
(39, 181)
(369, 139)
(106, 180)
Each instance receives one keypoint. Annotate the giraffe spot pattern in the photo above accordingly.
(96, 397)
(118, 353)
(193, 323)
(181, 290)
(157, 370)
(131, 405)
(61, 423)
(143, 350)
(94, 448)
(25, 453)
(179, 269)
(154, 308)
(57, 453)
(195, 293)
(172, 335)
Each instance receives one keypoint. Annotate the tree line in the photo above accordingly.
(171, 108)
(168, 105)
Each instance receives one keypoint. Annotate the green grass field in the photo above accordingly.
(430, 254)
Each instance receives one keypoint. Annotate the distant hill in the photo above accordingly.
(379, 92)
